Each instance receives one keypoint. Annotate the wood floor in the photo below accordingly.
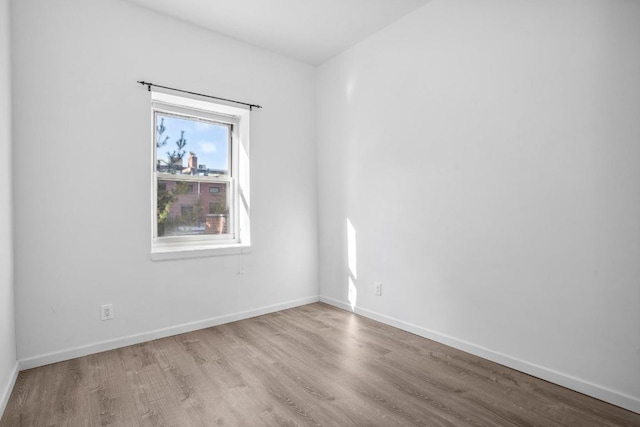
(312, 365)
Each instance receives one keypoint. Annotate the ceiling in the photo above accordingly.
(311, 31)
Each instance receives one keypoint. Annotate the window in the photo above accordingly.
(200, 177)
(217, 208)
(186, 212)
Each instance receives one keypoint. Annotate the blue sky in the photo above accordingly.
(209, 141)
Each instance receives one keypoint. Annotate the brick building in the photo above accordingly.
(199, 205)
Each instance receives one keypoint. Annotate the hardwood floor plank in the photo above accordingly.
(314, 365)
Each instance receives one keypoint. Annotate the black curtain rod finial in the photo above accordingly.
(148, 85)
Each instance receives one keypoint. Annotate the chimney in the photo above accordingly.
(193, 161)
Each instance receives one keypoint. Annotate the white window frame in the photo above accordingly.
(238, 239)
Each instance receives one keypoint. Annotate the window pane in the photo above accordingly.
(191, 146)
(184, 212)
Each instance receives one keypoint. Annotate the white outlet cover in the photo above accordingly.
(106, 312)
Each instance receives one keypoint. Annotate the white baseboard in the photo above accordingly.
(599, 392)
(97, 347)
(5, 392)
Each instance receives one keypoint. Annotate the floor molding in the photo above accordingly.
(6, 392)
(594, 390)
(97, 347)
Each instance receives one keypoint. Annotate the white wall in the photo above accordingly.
(82, 147)
(7, 325)
(487, 155)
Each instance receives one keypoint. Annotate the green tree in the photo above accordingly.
(198, 210)
(176, 156)
(160, 129)
(165, 199)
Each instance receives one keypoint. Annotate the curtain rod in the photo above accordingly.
(148, 85)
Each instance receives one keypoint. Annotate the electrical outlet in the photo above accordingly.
(378, 288)
(107, 312)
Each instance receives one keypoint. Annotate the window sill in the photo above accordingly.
(165, 253)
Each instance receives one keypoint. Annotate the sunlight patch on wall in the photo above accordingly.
(352, 263)
(353, 294)
(351, 249)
